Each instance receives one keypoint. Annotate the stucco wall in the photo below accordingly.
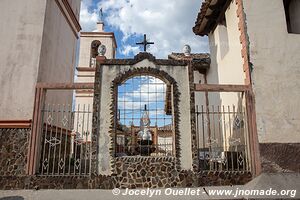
(37, 45)
(226, 60)
(85, 76)
(276, 75)
(199, 96)
(226, 68)
(59, 44)
(21, 37)
(109, 73)
(225, 51)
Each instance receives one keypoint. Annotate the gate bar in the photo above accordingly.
(65, 86)
(221, 88)
(41, 89)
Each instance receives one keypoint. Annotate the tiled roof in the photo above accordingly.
(203, 9)
(181, 56)
(208, 15)
(199, 61)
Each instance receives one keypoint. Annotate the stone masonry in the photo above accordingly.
(13, 151)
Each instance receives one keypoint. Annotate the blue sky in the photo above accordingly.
(168, 23)
(137, 92)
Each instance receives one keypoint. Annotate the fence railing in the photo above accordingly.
(224, 128)
(62, 130)
(222, 136)
(61, 143)
(66, 140)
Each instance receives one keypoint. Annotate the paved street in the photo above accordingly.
(92, 194)
(288, 183)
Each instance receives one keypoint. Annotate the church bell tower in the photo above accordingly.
(92, 44)
(89, 50)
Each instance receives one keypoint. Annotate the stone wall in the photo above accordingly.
(163, 172)
(180, 179)
(13, 151)
(280, 157)
(137, 172)
(131, 172)
(115, 70)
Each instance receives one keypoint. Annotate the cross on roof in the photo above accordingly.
(145, 43)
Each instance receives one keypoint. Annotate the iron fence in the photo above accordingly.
(61, 135)
(223, 130)
(61, 140)
(66, 140)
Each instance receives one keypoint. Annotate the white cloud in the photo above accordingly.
(88, 18)
(127, 49)
(168, 23)
(148, 91)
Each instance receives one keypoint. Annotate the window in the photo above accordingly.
(145, 118)
(292, 14)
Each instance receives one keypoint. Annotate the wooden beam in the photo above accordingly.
(215, 7)
(221, 15)
(15, 123)
(86, 69)
(32, 141)
(85, 91)
(37, 137)
(65, 86)
(221, 88)
(213, 16)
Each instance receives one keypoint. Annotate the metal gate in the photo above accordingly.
(224, 127)
(61, 139)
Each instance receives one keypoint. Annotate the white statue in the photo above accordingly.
(186, 50)
(145, 133)
(102, 50)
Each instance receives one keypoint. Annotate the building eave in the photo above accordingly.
(211, 13)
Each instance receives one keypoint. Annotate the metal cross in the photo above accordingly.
(144, 43)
